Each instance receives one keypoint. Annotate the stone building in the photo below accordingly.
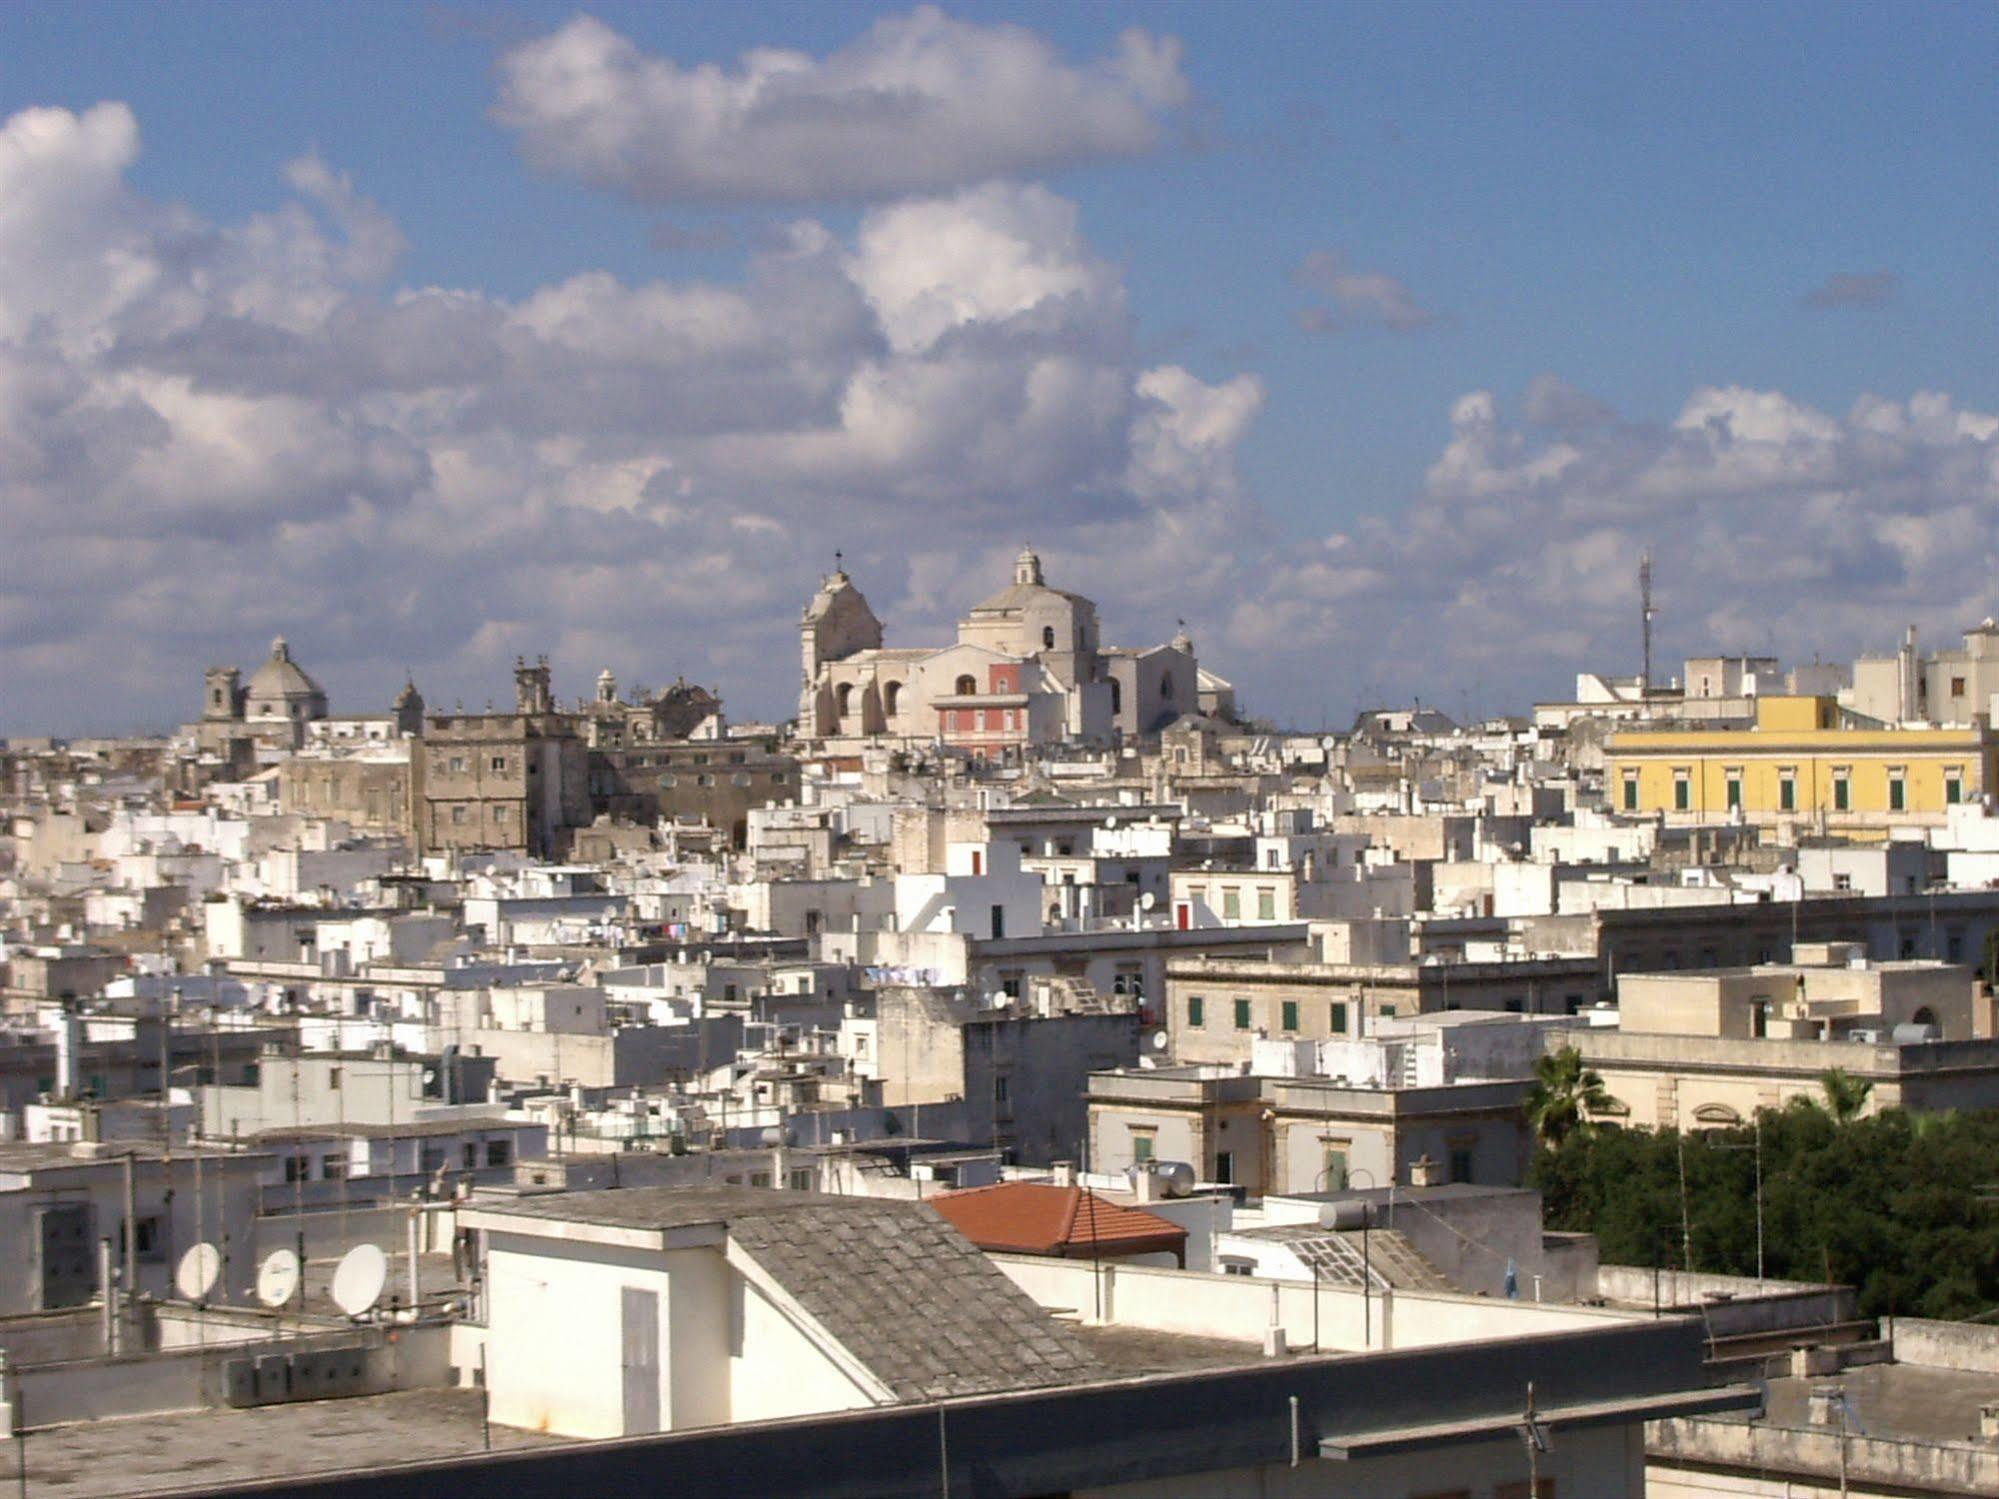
(1028, 667)
(516, 780)
(270, 711)
(716, 781)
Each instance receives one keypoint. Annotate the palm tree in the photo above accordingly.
(1845, 1094)
(1564, 1095)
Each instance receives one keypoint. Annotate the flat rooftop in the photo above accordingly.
(197, 1451)
(1906, 1401)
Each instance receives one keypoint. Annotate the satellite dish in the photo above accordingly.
(196, 1274)
(1159, 1041)
(1147, 901)
(277, 1278)
(358, 1282)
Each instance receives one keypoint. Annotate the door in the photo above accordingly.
(641, 1359)
(68, 1258)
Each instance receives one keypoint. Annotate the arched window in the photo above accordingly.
(968, 686)
(1048, 637)
(843, 699)
(1117, 696)
(892, 699)
(1166, 688)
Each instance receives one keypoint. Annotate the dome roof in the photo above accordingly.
(281, 679)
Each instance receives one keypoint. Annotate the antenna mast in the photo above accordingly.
(1645, 614)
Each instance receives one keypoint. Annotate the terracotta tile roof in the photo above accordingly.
(1036, 1218)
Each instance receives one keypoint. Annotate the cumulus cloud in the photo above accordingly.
(1773, 526)
(1854, 289)
(213, 432)
(917, 104)
(1359, 298)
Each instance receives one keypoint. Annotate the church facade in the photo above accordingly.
(1028, 668)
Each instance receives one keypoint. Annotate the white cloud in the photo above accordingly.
(213, 433)
(1359, 298)
(918, 103)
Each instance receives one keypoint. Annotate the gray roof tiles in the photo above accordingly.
(894, 1284)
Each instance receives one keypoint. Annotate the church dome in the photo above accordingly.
(280, 686)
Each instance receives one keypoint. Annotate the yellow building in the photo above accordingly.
(1798, 766)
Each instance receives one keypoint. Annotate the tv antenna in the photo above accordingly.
(358, 1282)
(1646, 614)
(197, 1272)
(278, 1278)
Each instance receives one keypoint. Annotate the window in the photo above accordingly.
(1339, 1018)
(1386, 1012)
(468, 1153)
(1898, 792)
(1842, 792)
(1225, 1167)
(333, 1078)
(457, 765)
(431, 1159)
(1787, 792)
(498, 762)
(1461, 1164)
(457, 814)
(843, 701)
(1242, 1014)
(1002, 1088)
(1238, 1267)
(1048, 637)
(1117, 696)
(499, 1152)
(297, 1168)
(1683, 791)
(148, 1241)
(1953, 787)
(1231, 904)
(1266, 905)
(1733, 791)
(1142, 1141)
(1290, 1014)
(1196, 1011)
(1631, 791)
(1957, 686)
(892, 699)
(968, 686)
(333, 1167)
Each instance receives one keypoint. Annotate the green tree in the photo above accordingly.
(1564, 1095)
(1845, 1094)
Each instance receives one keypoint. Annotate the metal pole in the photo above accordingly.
(1759, 1198)
(107, 1298)
(21, 1436)
(943, 1457)
(131, 1245)
(1366, 1281)
(485, 1400)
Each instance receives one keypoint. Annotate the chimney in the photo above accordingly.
(1144, 1183)
(1062, 1173)
(1826, 1405)
(1424, 1172)
(1988, 1423)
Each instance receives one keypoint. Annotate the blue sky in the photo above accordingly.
(1639, 201)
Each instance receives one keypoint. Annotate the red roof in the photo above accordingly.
(1035, 1218)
